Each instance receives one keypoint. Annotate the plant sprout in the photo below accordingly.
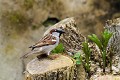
(78, 58)
(102, 44)
(87, 52)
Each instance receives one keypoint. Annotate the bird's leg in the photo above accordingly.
(49, 56)
(48, 53)
(53, 56)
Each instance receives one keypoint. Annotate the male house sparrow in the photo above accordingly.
(46, 44)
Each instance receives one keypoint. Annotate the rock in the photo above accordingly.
(107, 77)
(115, 69)
(114, 42)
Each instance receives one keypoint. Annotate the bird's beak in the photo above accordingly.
(61, 31)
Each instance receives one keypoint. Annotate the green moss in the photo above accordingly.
(8, 49)
(16, 17)
(28, 3)
(34, 27)
(15, 20)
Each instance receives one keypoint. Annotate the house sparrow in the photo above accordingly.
(46, 44)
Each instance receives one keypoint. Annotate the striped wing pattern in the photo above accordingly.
(46, 40)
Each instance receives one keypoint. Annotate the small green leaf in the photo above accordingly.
(77, 55)
(78, 58)
(95, 39)
(106, 35)
(78, 61)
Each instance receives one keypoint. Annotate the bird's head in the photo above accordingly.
(57, 32)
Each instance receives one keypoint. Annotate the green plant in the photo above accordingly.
(102, 44)
(16, 17)
(84, 60)
(28, 4)
(59, 49)
(78, 58)
(87, 52)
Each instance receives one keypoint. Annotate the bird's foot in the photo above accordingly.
(53, 57)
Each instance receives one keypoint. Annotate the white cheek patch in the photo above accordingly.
(53, 40)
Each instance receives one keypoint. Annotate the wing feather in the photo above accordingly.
(46, 40)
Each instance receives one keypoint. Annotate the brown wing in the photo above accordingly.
(47, 40)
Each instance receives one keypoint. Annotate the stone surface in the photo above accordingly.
(107, 77)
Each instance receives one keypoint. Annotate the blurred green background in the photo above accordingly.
(22, 23)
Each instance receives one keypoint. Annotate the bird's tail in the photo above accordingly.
(24, 56)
